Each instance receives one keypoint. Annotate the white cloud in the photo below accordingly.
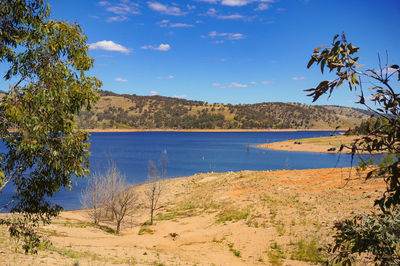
(167, 77)
(262, 7)
(190, 7)
(227, 35)
(234, 16)
(104, 3)
(208, 1)
(162, 47)
(180, 25)
(211, 12)
(116, 18)
(152, 93)
(238, 3)
(165, 23)
(121, 9)
(215, 84)
(230, 85)
(253, 82)
(235, 2)
(214, 13)
(109, 46)
(237, 85)
(236, 36)
(299, 78)
(266, 82)
(165, 9)
(184, 96)
(121, 80)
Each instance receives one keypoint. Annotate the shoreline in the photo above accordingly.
(112, 130)
(329, 144)
(275, 146)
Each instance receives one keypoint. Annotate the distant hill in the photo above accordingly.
(159, 112)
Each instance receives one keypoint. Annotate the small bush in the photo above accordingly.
(307, 250)
(145, 230)
(232, 215)
(374, 234)
(234, 251)
(275, 254)
(165, 216)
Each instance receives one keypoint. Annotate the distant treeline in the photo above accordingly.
(145, 112)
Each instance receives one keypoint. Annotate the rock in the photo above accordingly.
(174, 235)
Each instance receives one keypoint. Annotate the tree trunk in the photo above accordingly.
(118, 226)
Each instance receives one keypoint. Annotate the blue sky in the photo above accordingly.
(229, 51)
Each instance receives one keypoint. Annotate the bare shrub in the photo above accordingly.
(120, 201)
(109, 196)
(93, 197)
(155, 184)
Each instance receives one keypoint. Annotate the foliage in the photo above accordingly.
(276, 253)
(381, 134)
(367, 125)
(145, 230)
(377, 234)
(232, 214)
(233, 250)
(47, 59)
(307, 250)
(133, 111)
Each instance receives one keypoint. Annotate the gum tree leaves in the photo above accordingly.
(47, 59)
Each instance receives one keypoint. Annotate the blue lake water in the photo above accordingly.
(193, 152)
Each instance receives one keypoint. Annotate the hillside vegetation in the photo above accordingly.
(159, 112)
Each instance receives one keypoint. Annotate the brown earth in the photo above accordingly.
(234, 218)
(319, 144)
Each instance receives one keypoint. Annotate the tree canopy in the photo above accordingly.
(46, 60)
(376, 235)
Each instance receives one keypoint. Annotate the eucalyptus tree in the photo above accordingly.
(46, 61)
(377, 235)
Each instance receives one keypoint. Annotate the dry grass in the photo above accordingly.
(244, 218)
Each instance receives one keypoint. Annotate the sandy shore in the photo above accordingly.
(321, 144)
(234, 218)
(204, 130)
